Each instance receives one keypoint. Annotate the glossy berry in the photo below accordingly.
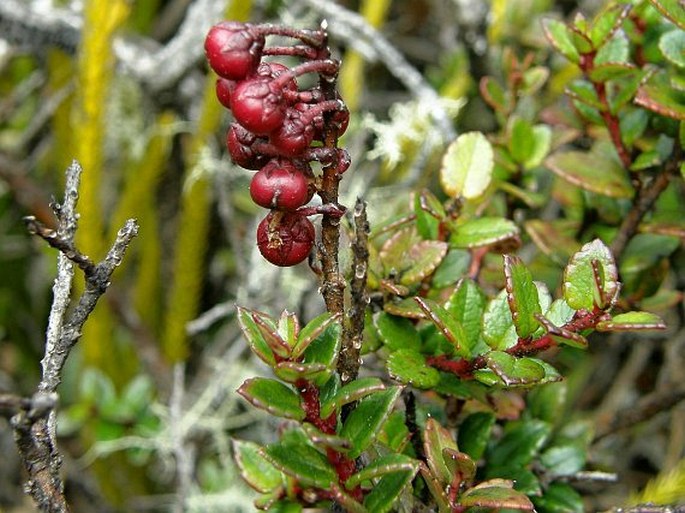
(295, 134)
(240, 147)
(234, 49)
(258, 105)
(285, 238)
(281, 185)
(224, 91)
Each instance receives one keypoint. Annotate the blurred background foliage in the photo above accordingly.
(148, 403)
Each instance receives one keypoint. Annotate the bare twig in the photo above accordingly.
(649, 508)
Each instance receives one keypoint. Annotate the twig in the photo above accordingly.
(353, 330)
(649, 508)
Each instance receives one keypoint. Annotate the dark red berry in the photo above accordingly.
(224, 91)
(285, 238)
(258, 105)
(234, 49)
(281, 185)
(295, 133)
(240, 147)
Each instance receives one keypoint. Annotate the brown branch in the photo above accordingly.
(353, 328)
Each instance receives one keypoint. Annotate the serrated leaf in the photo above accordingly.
(467, 166)
(363, 425)
(498, 326)
(409, 367)
(560, 498)
(607, 22)
(254, 336)
(515, 371)
(396, 332)
(483, 231)
(633, 321)
(446, 324)
(435, 439)
(421, 260)
(579, 283)
(273, 396)
(672, 9)
(303, 462)
(474, 433)
(519, 445)
(467, 305)
(256, 470)
(388, 464)
(658, 95)
(312, 330)
(583, 169)
(351, 392)
(386, 491)
(558, 34)
(522, 296)
(495, 494)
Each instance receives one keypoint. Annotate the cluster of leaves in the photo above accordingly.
(437, 323)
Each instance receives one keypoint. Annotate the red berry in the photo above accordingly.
(281, 185)
(239, 143)
(295, 134)
(224, 91)
(234, 49)
(258, 105)
(285, 238)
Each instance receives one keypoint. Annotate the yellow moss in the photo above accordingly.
(667, 488)
(498, 11)
(351, 78)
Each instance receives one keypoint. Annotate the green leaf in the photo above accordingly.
(558, 34)
(459, 464)
(436, 489)
(447, 324)
(388, 464)
(289, 327)
(421, 260)
(672, 46)
(396, 332)
(429, 214)
(452, 268)
(547, 402)
(395, 433)
(467, 166)
(563, 460)
(515, 371)
(364, 423)
(611, 71)
(580, 287)
(325, 349)
(593, 172)
(256, 470)
(607, 22)
(658, 96)
(542, 143)
(273, 396)
(386, 491)
(519, 445)
(467, 305)
(633, 321)
(406, 307)
(672, 9)
(394, 250)
(494, 95)
(533, 79)
(483, 231)
(325, 440)
(617, 49)
(522, 296)
(254, 336)
(521, 139)
(474, 433)
(269, 331)
(559, 498)
(311, 332)
(409, 367)
(553, 238)
(633, 124)
(351, 392)
(291, 372)
(498, 326)
(497, 494)
(435, 439)
(561, 335)
(303, 462)
(584, 92)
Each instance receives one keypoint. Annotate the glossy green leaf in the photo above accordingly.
(633, 321)
(256, 470)
(324, 350)
(396, 332)
(363, 425)
(560, 498)
(351, 392)
(633, 124)
(542, 143)
(386, 491)
(467, 166)
(273, 396)
(388, 464)
(497, 494)
(409, 367)
(522, 296)
(559, 35)
(269, 331)
(452, 268)
(581, 169)
(658, 95)
(312, 330)
(515, 371)
(672, 9)
(615, 50)
(325, 440)
(580, 287)
(498, 326)
(611, 71)
(435, 439)
(467, 305)
(474, 433)
(254, 336)
(519, 445)
(421, 260)
(303, 462)
(289, 327)
(563, 460)
(446, 324)
(406, 307)
(607, 22)
(583, 91)
(291, 372)
(483, 231)
(436, 489)
(521, 139)
(672, 46)
(429, 214)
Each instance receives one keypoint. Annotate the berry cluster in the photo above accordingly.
(279, 128)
